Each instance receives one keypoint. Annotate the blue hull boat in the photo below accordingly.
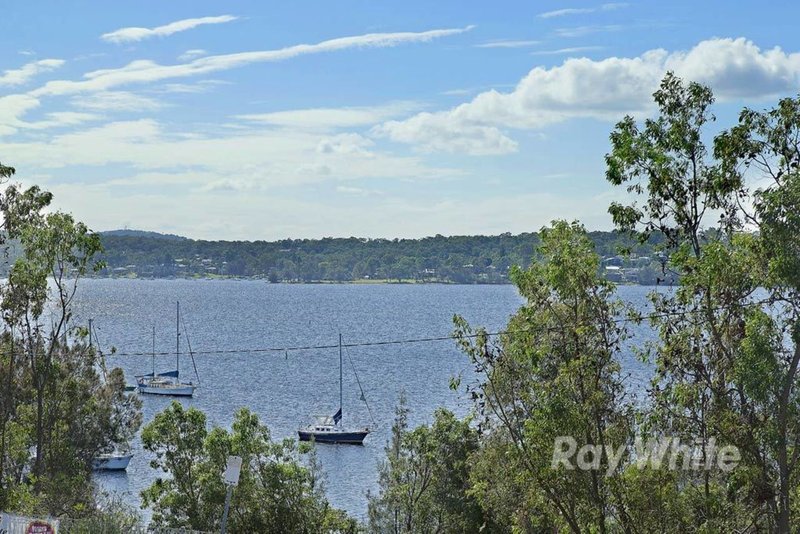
(329, 429)
(334, 436)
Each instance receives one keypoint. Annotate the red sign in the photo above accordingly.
(40, 527)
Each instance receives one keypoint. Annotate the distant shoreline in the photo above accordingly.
(451, 260)
(335, 282)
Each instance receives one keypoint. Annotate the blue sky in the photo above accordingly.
(266, 120)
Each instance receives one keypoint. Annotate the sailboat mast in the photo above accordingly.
(154, 350)
(178, 342)
(340, 378)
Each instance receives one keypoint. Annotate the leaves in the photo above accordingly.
(52, 400)
(276, 493)
(425, 480)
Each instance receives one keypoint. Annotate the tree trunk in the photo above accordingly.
(37, 466)
(784, 489)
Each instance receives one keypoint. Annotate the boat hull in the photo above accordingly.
(111, 463)
(182, 390)
(350, 438)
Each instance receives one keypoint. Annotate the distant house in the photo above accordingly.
(613, 273)
(613, 261)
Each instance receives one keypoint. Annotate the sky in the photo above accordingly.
(270, 120)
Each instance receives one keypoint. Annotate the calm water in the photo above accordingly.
(284, 389)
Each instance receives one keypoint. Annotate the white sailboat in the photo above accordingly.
(167, 383)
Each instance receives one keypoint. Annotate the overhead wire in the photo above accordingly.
(430, 339)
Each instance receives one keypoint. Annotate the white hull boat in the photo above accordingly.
(111, 462)
(168, 383)
(154, 386)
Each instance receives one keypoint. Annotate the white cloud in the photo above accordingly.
(192, 54)
(61, 118)
(441, 132)
(736, 68)
(28, 71)
(240, 212)
(582, 10)
(565, 11)
(145, 71)
(254, 158)
(126, 35)
(459, 92)
(12, 108)
(202, 86)
(358, 191)
(604, 89)
(328, 118)
(568, 50)
(346, 143)
(507, 44)
(580, 31)
(116, 101)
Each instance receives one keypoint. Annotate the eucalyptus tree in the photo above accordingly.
(727, 356)
(762, 154)
(553, 374)
(277, 491)
(54, 401)
(424, 482)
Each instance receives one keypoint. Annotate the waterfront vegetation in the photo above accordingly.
(726, 357)
(726, 361)
(439, 259)
(59, 406)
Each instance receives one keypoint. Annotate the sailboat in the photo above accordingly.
(115, 460)
(167, 383)
(329, 429)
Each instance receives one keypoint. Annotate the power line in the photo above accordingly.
(431, 339)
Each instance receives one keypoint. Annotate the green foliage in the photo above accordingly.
(728, 354)
(456, 259)
(424, 481)
(276, 492)
(112, 516)
(666, 161)
(53, 401)
(554, 373)
(727, 360)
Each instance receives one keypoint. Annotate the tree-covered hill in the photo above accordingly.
(455, 259)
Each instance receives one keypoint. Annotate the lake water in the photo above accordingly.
(285, 389)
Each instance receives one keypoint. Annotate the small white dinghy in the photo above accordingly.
(120, 457)
(111, 462)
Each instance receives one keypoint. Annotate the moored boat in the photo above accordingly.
(329, 429)
(111, 462)
(164, 385)
(167, 383)
(325, 430)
